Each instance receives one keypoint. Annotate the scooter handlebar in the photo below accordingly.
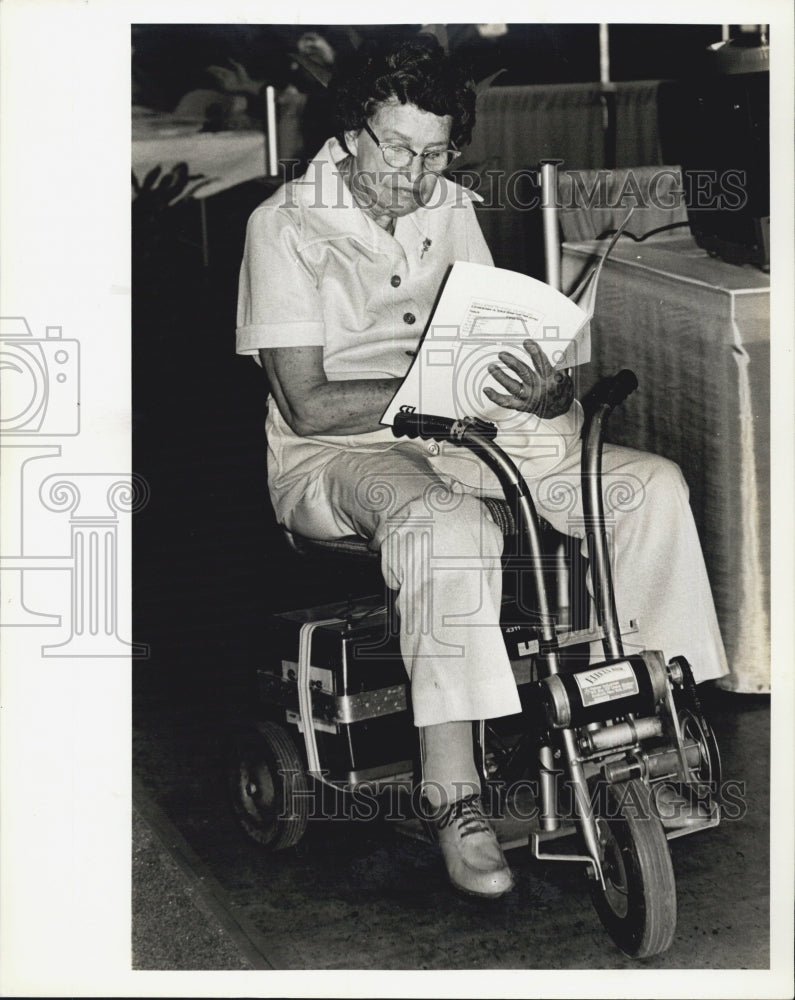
(613, 391)
(428, 426)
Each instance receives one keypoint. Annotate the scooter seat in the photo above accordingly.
(350, 547)
(357, 547)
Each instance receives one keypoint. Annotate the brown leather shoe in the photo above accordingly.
(472, 855)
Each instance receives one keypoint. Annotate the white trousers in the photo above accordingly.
(441, 552)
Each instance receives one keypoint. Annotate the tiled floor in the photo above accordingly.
(357, 895)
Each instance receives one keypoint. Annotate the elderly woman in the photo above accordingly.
(340, 274)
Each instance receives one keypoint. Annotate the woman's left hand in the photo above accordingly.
(542, 391)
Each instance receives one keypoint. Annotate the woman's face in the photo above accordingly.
(384, 190)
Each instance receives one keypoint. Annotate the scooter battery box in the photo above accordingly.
(361, 703)
(361, 707)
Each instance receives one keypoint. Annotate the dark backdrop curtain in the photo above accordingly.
(518, 126)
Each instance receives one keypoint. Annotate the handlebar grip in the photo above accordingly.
(427, 426)
(614, 390)
(424, 425)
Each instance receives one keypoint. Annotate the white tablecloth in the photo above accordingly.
(696, 331)
(224, 158)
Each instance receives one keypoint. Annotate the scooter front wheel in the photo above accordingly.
(637, 905)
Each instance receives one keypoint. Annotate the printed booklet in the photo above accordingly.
(484, 310)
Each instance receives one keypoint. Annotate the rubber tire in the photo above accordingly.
(271, 806)
(638, 908)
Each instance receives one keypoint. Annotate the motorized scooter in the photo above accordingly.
(615, 757)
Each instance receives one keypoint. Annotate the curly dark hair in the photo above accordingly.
(413, 71)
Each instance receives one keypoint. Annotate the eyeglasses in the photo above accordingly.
(401, 157)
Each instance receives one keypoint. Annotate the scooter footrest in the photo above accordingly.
(563, 843)
(683, 831)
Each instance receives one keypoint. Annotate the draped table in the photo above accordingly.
(223, 159)
(696, 331)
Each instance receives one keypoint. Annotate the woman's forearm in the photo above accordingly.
(346, 407)
(312, 404)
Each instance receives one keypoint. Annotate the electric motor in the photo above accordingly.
(632, 685)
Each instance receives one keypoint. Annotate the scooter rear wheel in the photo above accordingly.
(268, 787)
(637, 906)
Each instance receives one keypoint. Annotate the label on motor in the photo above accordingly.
(608, 683)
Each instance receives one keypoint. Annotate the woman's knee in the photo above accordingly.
(455, 523)
(650, 486)
(665, 479)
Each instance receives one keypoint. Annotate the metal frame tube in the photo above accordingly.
(547, 789)
(515, 489)
(596, 535)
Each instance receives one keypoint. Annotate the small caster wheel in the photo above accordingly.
(269, 787)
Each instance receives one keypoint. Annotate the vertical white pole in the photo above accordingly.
(604, 53)
(607, 88)
(549, 217)
(270, 124)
